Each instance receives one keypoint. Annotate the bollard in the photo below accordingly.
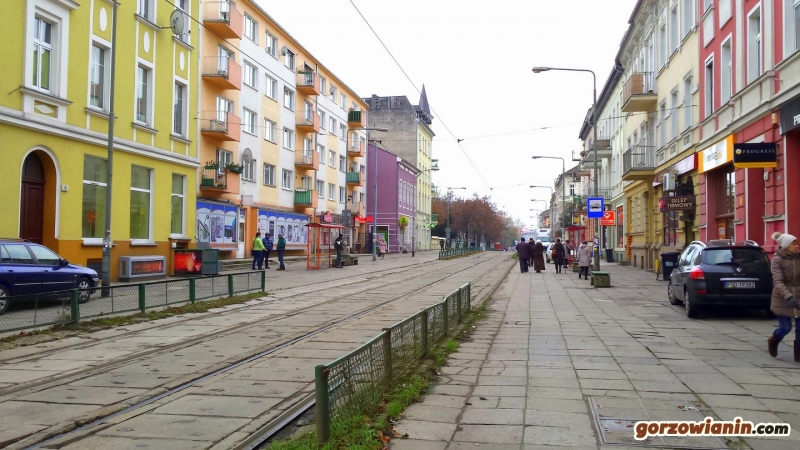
(445, 324)
(230, 285)
(263, 281)
(192, 297)
(321, 409)
(74, 307)
(387, 358)
(142, 305)
(424, 325)
(458, 305)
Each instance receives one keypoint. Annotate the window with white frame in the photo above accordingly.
(792, 15)
(320, 189)
(93, 215)
(726, 72)
(707, 4)
(271, 89)
(331, 158)
(308, 112)
(361, 197)
(754, 45)
(248, 121)
(361, 168)
(144, 89)
(342, 163)
(331, 191)
(332, 127)
(342, 194)
(288, 60)
(323, 84)
(145, 9)
(321, 152)
(343, 101)
(343, 132)
(250, 75)
(288, 139)
(688, 16)
(286, 179)
(724, 7)
(179, 109)
(308, 148)
(662, 45)
(269, 175)
(141, 202)
(333, 93)
(184, 6)
(270, 130)
(224, 157)
(673, 114)
(224, 106)
(271, 44)
(674, 26)
(288, 98)
(248, 165)
(43, 67)
(305, 183)
(322, 119)
(97, 77)
(688, 117)
(662, 124)
(708, 95)
(178, 199)
(250, 28)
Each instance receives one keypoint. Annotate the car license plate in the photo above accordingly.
(740, 285)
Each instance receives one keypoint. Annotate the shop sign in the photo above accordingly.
(790, 116)
(608, 219)
(681, 167)
(327, 218)
(370, 219)
(677, 203)
(716, 155)
(628, 249)
(755, 156)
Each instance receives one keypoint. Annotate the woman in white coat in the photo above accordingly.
(584, 259)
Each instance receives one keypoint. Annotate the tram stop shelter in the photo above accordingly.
(576, 234)
(320, 251)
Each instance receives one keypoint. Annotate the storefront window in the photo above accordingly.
(620, 228)
(93, 217)
(726, 202)
(671, 225)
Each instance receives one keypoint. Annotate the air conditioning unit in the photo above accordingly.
(668, 181)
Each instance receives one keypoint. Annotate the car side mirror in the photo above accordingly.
(64, 263)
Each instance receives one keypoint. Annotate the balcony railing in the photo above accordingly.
(308, 122)
(221, 181)
(639, 93)
(308, 83)
(220, 124)
(601, 192)
(356, 208)
(355, 178)
(222, 18)
(356, 119)
(305, 198)
(223, 71)
(308, 159)
(640, 158)
(356, 148)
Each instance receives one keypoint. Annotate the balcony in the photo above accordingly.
(305, 198)
(356, 119)
(639, 93)
(603, 149)
(221, 125)
(357, 209)
(221, 18)
(604, 193)
(355, 179)
(356, 149)
(215, 183)
(307, 122)
(223, 72)
(308, 83)
(308, 160)
(639, 163)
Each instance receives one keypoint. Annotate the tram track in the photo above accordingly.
(97, 424)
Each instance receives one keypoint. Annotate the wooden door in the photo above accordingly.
(31, 217)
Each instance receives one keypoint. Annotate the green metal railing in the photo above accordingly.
(76, 305)
(302, 197)
(456, 252)
(356, 382)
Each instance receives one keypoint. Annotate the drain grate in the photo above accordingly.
(616, 417)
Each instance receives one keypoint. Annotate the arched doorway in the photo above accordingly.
(31, 217)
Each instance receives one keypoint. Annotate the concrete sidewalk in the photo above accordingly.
(559, 364)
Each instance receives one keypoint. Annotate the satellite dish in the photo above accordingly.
(179, 22)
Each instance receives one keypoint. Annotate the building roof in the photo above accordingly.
(423, 109)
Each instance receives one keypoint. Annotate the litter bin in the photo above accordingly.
(610, 255)
(668, 262)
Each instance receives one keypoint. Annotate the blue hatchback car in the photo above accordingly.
(28, 269)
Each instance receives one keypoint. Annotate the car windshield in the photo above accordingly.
(734, 256)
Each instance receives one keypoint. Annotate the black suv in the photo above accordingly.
(723, 273)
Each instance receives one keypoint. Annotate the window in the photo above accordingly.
(361, 168)
(97, 76)
(709, 91)
(323, 84)
(308, 112)
(143, 77)
(250, 28)
(270, 129)
(224, 157)
(269, 175)
(248, 121)
(724, 11)
(620, 228)
(286, 179)
(331, 158)
(179, 110)
(288, 98)
(322, 119)
(343, 132)
(673, 114)
(144, 8)
(331, 191)
(688, 117)
(93, 211)
(17, 254)
(726, 201)
(271, 89)
(141, 193)
(333, 93)
(248, 165)
(342, 194)
(795, 23)
(662, 124)
(726, 73)
(342, 163)
(332, 127)
(178, 196)
(320, 189)
(250, 75)
(288, 139)
(343, 101)
(271, 44)
(184, 6)
(308, 148)
(288, 60)
(305, 183)
(754, 45)
(44, 256)
(662, 46)
(361, 197)
(707, 4)
(688, 16)
(572, 190)
(321, 152)
(674, 40)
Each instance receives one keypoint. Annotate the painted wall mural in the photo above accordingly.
(292, 226)
(216, 225)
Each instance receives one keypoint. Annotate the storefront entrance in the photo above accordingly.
(31, 217)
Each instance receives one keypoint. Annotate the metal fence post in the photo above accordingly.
(387, 356)
(424, 326)
(458, 305)
(74, 307)
(263, 281)
(230, 285)
(322, 409)
(445, 325)
(192, 297)
(142, 305)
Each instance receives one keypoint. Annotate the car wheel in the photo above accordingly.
(83, 290)
(671, 296)
(692, 310)
(4, 300)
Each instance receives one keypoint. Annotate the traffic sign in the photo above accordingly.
(608, 219)
(595, 207)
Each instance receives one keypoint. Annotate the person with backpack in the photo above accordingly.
(337, 245)
(268, 245)
(281, 247)
(258, 251)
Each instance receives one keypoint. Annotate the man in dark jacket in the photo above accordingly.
(524, 255)
(281, 247)
(531, 245)
(268, 245)
(337, 244)
(558, 255)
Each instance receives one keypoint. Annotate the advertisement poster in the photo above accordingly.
(293, 227)
(216, 225)
(188, 262)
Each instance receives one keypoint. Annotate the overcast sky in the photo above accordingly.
(475, 60)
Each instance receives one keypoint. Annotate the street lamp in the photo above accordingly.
(375, 193)
(563, 162)
(594, 137)
(447, 230)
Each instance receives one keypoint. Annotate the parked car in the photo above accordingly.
(721, 273)
(549, 252)
(28, 269)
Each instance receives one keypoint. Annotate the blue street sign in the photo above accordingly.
(595, 207)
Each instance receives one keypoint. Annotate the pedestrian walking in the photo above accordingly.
(258, 251)
(584, 259)
(381, 246)
(538, 257)
(569, 251)
(281, 247)
(337, 245)
(441, 245)
(785, 290)
(558, 255)
(531, 246)
(268, 246)
(524, 255)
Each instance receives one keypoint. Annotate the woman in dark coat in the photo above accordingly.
(558, 255)
(538, 257)
(524, 254)
(785, 267)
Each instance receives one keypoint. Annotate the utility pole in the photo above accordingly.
(105, 271)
